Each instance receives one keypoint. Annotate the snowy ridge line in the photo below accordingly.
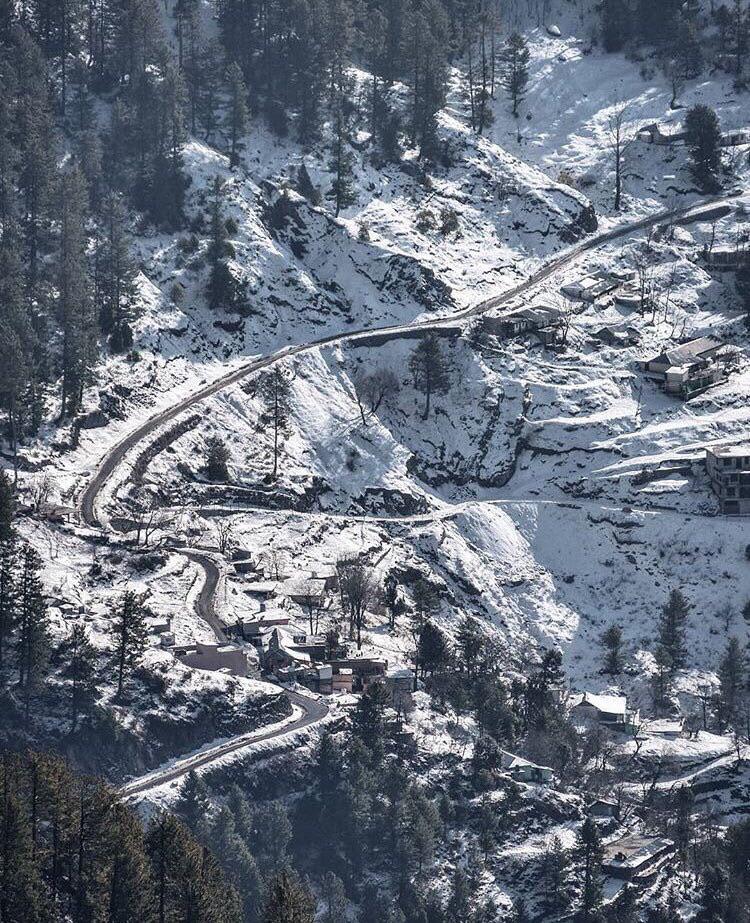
(306, 712)
(87, 501)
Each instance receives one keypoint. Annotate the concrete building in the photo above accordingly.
(590, 288)
(365, 670)
(636, 857)
(728, 469)
(225, 658)
(688, 369)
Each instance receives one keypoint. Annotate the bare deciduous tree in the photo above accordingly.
(224, 535)
(313, 602)
(357, 593)
(373, 388)
(41, 491)
(619, 139)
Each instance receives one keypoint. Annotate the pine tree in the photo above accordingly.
(206, 85)
(8, 595)
(74, 301)
(458, 909)
(515, 58)
(23, 895)
(334, 896)
(704, 144)
(237, 114)
(193, 802)
(342, 162)
(624, 908)
(429, 369)
(7, 508)
(275, 392)
(224, 292)
(688, 51)
(19, 345)
(556, 869)
(115, 277)
(426, 29)
(288, 901)
(368, 723)
(272, 834)
(590, 852)
(731, 683)
(36, 135)
(78, 657)
(130, 635)
(713, 897)
(234, 857)
(671, 642)
(488, 827)
(217, 456)
(32, 644)
(612, 641)
(616, 24)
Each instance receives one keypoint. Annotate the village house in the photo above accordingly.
(280, 654)
(617, 336)
(257, 629)
(400, 684)
(225, 658)
(728, 470)
(522, 770)
(666, 728)
(342, 680)
(318, 678)
(727, 259)
(365, 670)
(541, 320)
(591, 288)
(636, 858)
(688, 369)
(262, 589)
(313, 646)
(603, 809)
(611, 711)
(654, 134)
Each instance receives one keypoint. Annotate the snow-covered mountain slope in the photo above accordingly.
(522, 496)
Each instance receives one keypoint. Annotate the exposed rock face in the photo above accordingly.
(388, 502)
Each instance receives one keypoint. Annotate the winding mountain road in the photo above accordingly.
(313, 710)
(87, 501)
(205, 604)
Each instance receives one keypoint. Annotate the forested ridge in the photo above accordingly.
(72, 851)
(100, 98)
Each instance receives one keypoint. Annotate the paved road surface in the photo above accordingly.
(313, 711)
(205, 605)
